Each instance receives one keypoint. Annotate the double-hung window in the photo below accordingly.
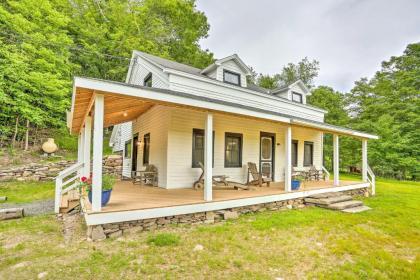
(198, 147)
(295, 144)
(297, 97)
(308, 156)
(231, 78)
(233, 150)
(148, 81)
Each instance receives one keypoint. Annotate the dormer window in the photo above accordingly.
(231, 78)
(148, 80)
(297, 97)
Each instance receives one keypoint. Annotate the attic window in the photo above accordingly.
(231, 78)
(148, 80)
(297, 97)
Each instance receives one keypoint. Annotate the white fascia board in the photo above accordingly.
(339, 130)
(157, 95)
(99, 218)
(131, 66)
(219, 83)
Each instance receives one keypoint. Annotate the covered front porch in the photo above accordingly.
(98, 104)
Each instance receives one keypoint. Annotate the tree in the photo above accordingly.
(304, 70)
(389, 106)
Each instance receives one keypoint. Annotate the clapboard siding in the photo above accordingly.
(183, 121)
(142, 68)
(231, 94)
(125, 135)
(232, 66)
(156, 122)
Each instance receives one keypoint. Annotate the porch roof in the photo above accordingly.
(125, 102)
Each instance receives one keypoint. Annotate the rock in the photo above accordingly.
(289, 206)
(96, 233)
(20, 265)
(11, 213)
(198, 247)
(42, 275)
(115, 234)
(26, 173)
(230, 215)
(3, 198)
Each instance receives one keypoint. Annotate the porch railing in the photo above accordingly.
(66, 181)
(371, 179)
(327, 174)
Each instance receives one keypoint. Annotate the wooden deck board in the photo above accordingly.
(126, 196)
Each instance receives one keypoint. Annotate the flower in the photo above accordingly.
(83, 179)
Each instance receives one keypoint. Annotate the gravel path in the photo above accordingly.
(32, 208)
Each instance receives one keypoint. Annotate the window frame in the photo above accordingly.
(232, 73)
(146, 160)
(297, 94)
(311, 144)
(148, 78)
(297, 153)
(196, 131)
(127, 143)
(240, 137)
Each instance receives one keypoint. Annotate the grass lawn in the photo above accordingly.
(18, 192)
(383, 243)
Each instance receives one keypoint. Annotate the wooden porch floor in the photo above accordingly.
(126, 196)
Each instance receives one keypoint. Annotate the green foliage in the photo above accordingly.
(108, 182)
(164, 239)
(304, 70)
(44, 43)
(20, 192)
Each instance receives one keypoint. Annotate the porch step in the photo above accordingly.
(343, 205)
(357, 209)
(328, 200)
(69, 201)
(326, 195)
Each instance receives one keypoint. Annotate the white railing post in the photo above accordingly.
(57, 201)
(208, 158)
(372, 180)
(87, 132)
(288, 163)
(364, 160)
(98, 130)
(336, 161)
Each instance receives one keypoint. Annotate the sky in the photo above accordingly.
(350, 38)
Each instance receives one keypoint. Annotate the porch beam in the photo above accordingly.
(364, 160)
(208, 158)
(89, 107)
(87, 135)
(336, 160)
(288, 163)
(98, 130)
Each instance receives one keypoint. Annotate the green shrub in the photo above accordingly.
(164, 239)
(108, 182)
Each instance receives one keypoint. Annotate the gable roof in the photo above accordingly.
(290, 86)
(219, 62)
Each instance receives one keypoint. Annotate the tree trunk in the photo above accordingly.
(27, 136)
(16, 131)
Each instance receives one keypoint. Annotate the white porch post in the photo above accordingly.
(208, 158)
(288, 163)
(97, 153)
(87, 133)
(364, 160)
(80, 140)
(336, 160)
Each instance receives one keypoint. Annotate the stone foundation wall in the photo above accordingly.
(48, 171)
(112, 230)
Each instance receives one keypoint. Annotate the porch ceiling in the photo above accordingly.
(117, 108)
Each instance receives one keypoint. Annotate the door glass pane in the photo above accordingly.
(266, 169)
(266, 148)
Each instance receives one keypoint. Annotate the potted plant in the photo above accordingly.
(107, 184)
(296, 182)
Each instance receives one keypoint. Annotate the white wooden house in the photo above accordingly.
(173, 115)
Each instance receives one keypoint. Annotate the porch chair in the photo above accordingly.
(149, 176)
(257, 178)
(216, 180)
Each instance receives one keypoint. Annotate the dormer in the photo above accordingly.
(296, 92)
(231, 70)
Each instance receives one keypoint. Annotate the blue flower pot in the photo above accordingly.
(295, 185)
(106, 195)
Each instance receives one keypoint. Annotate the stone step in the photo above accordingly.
(343, 205)
(328, 200)
(326, 195)
(357, 209)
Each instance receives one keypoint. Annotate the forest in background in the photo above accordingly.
(44, 43)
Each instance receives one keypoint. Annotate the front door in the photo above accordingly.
(135, 150)
(267, 155)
